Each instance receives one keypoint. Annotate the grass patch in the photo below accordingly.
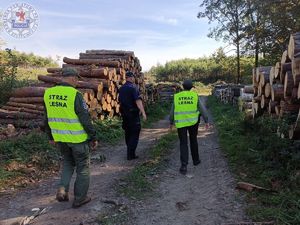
(156, 112)
(139, 183)
(31, 151)
(257, 155)
(109, 131)
(202, 89)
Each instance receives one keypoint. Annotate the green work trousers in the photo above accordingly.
(76, 156)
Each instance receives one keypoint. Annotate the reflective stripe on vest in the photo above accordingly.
(185, 109)
(62, 119)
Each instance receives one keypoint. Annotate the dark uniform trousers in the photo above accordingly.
(184, 153)
(132, 128)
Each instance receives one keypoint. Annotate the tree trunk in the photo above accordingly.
(277, 92)
(288, 84)
(27, 100)
(91, 62)
(29, 92)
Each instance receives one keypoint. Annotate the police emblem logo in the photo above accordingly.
(20, 20)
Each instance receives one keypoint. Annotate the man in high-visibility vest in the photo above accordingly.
(68, 125)
(185, 113)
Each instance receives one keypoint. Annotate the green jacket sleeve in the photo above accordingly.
(171, 117)
(81, 109)
(47, 129)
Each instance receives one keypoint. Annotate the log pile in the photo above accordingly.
(276, 88)
(227, 93)
(166, 91)
(102, 72)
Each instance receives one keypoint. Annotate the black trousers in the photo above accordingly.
(132, 133)
(184, 151)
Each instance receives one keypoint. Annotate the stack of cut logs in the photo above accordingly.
(227, 93)
(276, 88)
(166, 91)
(102, 72)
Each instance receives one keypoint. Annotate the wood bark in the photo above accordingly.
(294, 46)
(28, 106)
(91, 62)
(21, 109)
(277, 70)
(5, 114)
(277, 92)
(288, 84)
(28, 92)
(27, 100)
(286, 67)
(271, 107)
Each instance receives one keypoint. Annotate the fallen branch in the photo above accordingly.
(250, 187)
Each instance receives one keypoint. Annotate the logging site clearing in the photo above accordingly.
(103, 114)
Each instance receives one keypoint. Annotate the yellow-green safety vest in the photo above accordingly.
(185, 109)
(62, 119)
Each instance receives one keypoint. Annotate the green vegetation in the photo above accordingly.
(258, 28)
(257, 155)
(109, 131)
(202, 89)
(156, 112)
(30, 60)
(18, 153)
(20, 69)
(205, 69)
(139, 182)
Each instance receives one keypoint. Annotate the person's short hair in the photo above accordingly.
(129, 74)
(187, 84)
(69, 72)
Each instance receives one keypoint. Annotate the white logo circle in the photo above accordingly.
(20, 20)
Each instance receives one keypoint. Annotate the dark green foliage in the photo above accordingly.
(156, 112)
(109, 130)
(207, 70)
(25, 148)
(30, 60)
(259, 156)
(7, 75)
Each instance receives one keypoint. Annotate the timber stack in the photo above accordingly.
(103, 73)
(276, 88)
(227, 93)
(166, 91)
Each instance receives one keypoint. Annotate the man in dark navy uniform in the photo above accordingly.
(131, 106)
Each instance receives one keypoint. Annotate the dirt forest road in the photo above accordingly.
(206, 195)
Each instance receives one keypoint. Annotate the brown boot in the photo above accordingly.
(84, 201)
(62, 195)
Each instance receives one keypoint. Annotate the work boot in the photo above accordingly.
(196, 163)
(183, 170)
(84, 201)
(62, 195)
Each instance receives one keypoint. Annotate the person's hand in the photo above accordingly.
(171, 127)
(94, 144)
(144, 116)
(52, 142)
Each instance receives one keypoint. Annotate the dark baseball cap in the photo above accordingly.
(129, 74)
(69, 72)
(187, 84)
